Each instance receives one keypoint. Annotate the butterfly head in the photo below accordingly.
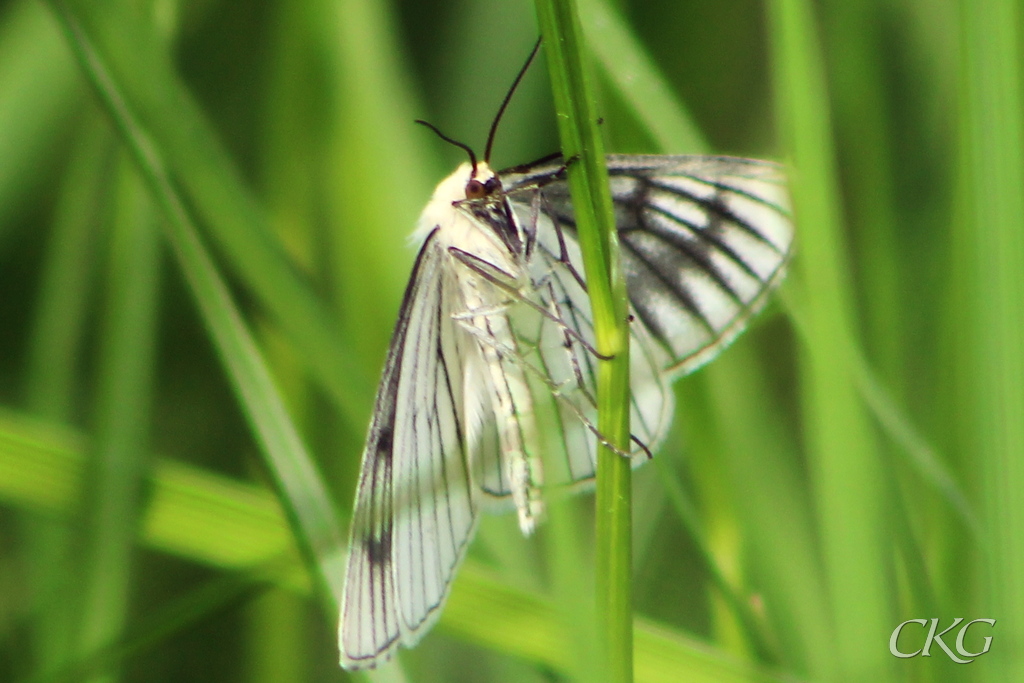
(483, 182)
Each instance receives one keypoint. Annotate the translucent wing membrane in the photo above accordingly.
(415, 509)
(492, 363)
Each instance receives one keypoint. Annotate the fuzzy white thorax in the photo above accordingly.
(439, 211)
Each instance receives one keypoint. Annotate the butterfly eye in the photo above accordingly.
(475, 189)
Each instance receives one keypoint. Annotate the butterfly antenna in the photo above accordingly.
(469, 150)
(508, 97)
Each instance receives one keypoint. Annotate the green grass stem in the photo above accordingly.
(583, 147)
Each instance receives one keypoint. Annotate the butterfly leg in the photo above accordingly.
(567, 343)
(505, 353)
(581, 385)
(502, 279)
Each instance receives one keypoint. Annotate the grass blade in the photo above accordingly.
(117, 466)
(640, 84)
(137, 78)
(231, 525)
(588, 183)
(38, 93)
(846, 470)
(302, 489)
(992, 345)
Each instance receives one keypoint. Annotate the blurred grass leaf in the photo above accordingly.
(303, 490)
(241, 527)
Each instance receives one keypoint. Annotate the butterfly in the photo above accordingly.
(494, 350)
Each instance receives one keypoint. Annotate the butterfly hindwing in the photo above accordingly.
(702, 240)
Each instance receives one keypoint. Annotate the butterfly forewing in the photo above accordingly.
(416, 502)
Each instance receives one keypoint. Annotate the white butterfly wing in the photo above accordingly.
(416, 504)
(703, 241)
(562, 347)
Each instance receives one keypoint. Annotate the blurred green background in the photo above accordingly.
(203, 218)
